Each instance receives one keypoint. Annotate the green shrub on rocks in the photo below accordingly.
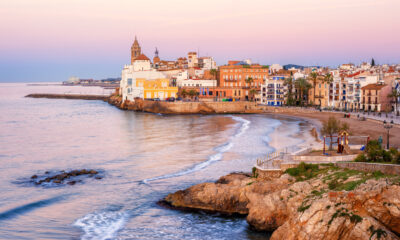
(379, 232)
(375, 153)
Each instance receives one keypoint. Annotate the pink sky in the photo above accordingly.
(281, 31)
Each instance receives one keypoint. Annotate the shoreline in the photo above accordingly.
(372, 128)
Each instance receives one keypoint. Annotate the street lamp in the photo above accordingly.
(388, 126)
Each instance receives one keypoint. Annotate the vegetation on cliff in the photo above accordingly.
(307, 202)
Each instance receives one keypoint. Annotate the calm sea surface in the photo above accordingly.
(142, 156)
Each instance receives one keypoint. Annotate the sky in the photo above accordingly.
(51, 40)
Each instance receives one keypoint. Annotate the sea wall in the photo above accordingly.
(205, 107)
(371, 167)
(69, 96)
(180, 107)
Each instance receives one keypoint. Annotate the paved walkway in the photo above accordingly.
(376, 116)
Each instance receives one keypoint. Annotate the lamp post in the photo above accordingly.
(388, 126)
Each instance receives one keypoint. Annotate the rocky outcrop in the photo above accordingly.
(64, 177)
(335, 204)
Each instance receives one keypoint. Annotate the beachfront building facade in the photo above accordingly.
(375, 97)
(273, 91)
(242, 75)
(196, 83)
(145, 84)
(321, 94)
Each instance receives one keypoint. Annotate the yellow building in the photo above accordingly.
(321, 94)
(157, 88)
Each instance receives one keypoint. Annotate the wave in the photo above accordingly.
(211, 159)
(102, 225)
(29, 207)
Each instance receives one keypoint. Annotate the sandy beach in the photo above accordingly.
(369, 127)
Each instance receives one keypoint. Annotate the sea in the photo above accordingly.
(142, 157)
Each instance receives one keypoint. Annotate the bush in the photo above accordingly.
(375, 153)
(373, 145)
(361, 158)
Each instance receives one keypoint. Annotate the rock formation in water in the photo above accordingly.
(322, 202)
(63, 177)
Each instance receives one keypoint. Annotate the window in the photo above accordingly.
(129, 81)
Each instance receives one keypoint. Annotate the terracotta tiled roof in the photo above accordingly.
(353, 75)
(373, 86)
(142, 57)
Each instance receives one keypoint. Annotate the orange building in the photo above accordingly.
(239, 74)
(219, 93)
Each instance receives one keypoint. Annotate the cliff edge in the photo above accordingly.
(308, 202)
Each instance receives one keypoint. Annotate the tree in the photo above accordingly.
(302, 86)
(314, 77)
(183, 93)
(373, 62)
(332, 127)
(395, 95)
(249, 80)
(193, 93)
(214, 72)
(328, 78)
(289, 83)
(253, 92)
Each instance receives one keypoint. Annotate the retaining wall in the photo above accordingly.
(371, 167)
(206, 107)
(311, 159)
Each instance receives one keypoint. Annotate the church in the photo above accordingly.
(141, 80)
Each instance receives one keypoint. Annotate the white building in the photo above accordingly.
(274, 68)
(128, 89)
(183, 80)
(73, 80)
(193, 61)
(207, 63)
(273, 91)
(348, 66)
(197, 83)
(345, 91)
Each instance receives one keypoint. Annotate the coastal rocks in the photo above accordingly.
(63, 177)
(229, 195)
(365, 206)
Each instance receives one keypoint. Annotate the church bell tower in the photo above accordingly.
(135, 50)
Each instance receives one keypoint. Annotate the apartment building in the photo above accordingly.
(273, 91)
(375, 97)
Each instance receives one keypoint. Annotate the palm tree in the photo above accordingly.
(302, 86)
(395, 95)
(184, 93)
(289, 82)
(328, 78)
(249, 80)
(253, 92)
(214, 72)
(193, 93)
(314, 77)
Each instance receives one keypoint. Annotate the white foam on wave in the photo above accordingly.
(244, 127)
(213, 158)
(101, 225)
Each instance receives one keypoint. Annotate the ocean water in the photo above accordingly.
(142, 157)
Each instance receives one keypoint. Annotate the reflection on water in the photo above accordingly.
(170, 152)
